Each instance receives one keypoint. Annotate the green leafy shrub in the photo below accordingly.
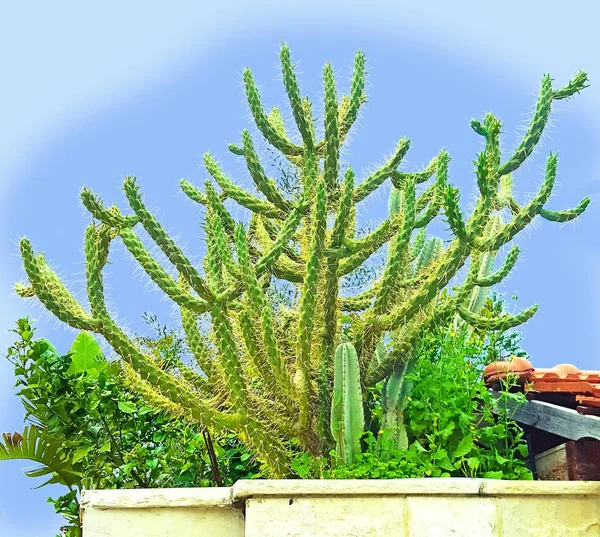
(87, 430)
(451, 429)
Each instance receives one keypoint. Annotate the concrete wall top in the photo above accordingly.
(244, 489)
(157, 498)
(411, 487)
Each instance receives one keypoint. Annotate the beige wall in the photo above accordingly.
(202, 512)
(398, 508)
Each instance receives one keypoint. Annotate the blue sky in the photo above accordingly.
(93, 95)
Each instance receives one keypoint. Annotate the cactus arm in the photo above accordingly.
(575, 85)
(245, 319)
(271, 345)
(214, 201)
(513, 206)
(347, 418)
(478, 127)
(330, 302)
(357, 95)
(196, 381)
(287, 271)
(398, 177)
(96, 253)
(166, 383)
(162, 239)
(266, 186)
(452, 260)
(480, 293)
(484, 204)
(360, 250)
(242, 197)
(24, 290)
(268, 449)
(235, 149)
(192, 192)
(293, 92)
(51, 292)
(367, 294)
(504, 197)
(373, 181)
(221, 242)
(266, 445)
(332, 138)
(196, 344)
(39, 273)
(535, 130)
(398, 253)
(363, 248)
(502, 272)
(276, 119)
(151, 396)
(482, 265)
(396, 200)
(527, 213)
(286, 233)
(195, 195)
(396, 268)
(139, 252)
(431, 250)
(568, 214)
(425, 198)
(159, 275)
(262, 121)
(355, 304)
(453, 214)
(502, 323)
(415, 328)
(340, 227)
(261, 309)
(308, 302)
(350, 106)
(230, 361)
(432, 199)
(111, 217)
(269, 260)
(425, 218)
(418, 243)
(273, 232)
(540, 118)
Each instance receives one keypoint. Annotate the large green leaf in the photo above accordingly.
(86, 355)
(33, 445)
(464, 447)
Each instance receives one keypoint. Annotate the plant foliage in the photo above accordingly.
(268, 374)
(87, 430)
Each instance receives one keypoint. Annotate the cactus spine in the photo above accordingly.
(282, 378)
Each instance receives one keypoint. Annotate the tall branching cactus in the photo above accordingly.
(268, 372)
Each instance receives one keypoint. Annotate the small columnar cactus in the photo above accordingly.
(347, 414)
(272, 373)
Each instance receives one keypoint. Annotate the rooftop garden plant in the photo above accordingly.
(86, 430)
(299, 377)
(454, 425)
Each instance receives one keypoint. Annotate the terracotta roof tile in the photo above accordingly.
(562, 378)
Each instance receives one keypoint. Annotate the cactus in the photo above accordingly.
(347, 415)
(274, 375)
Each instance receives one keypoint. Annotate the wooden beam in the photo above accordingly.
(554, 419)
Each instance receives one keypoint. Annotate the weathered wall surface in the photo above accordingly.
(399, 508)
(161, 513)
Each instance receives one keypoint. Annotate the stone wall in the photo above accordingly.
(402, 508)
